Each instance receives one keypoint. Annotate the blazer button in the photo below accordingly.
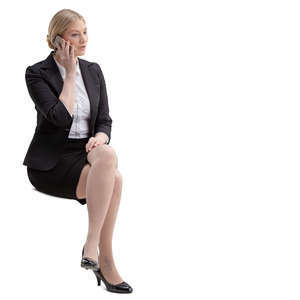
(67, 129)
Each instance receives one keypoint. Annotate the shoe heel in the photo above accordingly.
(99, 281)
(98, 277)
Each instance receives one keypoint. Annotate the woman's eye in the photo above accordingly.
(77, 34)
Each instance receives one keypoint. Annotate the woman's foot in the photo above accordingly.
(109, 270)
(91, 250)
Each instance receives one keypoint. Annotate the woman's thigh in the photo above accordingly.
(81, 186)
(107, 152)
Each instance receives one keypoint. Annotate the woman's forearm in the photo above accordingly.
(67, 95)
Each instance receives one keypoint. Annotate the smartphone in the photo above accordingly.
(58, 40)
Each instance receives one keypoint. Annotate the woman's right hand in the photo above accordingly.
(65, 53)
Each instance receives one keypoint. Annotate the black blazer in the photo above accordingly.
(44, 83)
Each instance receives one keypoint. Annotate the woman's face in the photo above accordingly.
(77, 35)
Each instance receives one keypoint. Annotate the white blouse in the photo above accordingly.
(81, 113)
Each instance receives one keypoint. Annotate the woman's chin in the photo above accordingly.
(81, 52)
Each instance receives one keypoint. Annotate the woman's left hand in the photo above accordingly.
(94, 142)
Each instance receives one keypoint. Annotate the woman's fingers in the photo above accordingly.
(92, 144)
(58, 45)
(61, 47)
(72, 52)
(89, 144)
(67, 49)
(89, 148)
(63, 44)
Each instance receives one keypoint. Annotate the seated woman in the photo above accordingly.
(69, 155)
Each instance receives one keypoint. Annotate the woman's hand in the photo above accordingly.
(66, 58)
(94, 142)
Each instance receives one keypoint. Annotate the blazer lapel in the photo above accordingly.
(50, 72)
(92, 87)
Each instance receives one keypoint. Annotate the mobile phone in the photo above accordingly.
(58, 40)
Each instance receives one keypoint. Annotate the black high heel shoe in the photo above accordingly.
(88, 263)
(122, 287)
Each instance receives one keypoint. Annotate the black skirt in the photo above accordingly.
(62, 180)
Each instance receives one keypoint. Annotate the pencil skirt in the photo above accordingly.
(61, 181)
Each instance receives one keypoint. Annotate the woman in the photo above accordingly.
(69, 155)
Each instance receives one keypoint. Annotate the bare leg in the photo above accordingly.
(106, 261)
(99, 189)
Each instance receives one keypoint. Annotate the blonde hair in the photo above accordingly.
(60, 23)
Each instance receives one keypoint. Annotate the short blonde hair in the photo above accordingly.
(60, 23)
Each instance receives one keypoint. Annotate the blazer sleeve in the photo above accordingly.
(46, 102)
(103, 120)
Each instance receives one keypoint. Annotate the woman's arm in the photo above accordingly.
(67, 95)
(103, 121)
(51, 107)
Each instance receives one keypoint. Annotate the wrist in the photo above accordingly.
(103, 136)
(71, 75)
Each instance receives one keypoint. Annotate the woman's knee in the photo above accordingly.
(118, 177)
(103, 154)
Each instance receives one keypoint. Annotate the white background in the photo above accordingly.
(204, 97)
